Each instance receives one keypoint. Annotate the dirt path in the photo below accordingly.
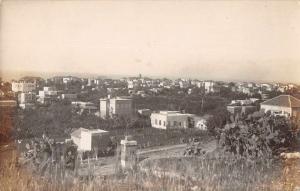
(106, 165)
(174, 150)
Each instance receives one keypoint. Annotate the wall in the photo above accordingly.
(275, 108)
(76, 140)
(179, 119)
(157, 117)
(103, 108)
(85, 141)
(169, 121)
(121, 107)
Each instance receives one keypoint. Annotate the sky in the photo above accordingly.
(219, 40)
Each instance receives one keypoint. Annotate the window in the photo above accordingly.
(179, 123)
(175, 123)
(155, 121)
(159, 122)
(164, 123)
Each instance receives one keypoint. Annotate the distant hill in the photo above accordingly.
(32, 78)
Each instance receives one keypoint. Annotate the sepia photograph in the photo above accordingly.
(149, 95)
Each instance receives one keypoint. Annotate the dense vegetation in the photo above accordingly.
(251, 137)
(258, 137)
(60, 119)
(190, 104)
(6, 123)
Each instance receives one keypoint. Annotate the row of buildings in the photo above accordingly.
(142, 85)
(282, 105)
(97, 139)
(48, 95)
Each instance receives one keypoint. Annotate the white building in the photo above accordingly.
(184, 84)
(200, 84)
(47, 92)
(46, 88)
(69, 79)
(23, 86)
(28, 97)
(110, 107)
(69, 96)
(283, 105)
(27, 100)
(131, 84)
(90, 82)
(171, 120)
(88, 140)
(243, 102)
(27, 105)
(85, 106)
(211, 87)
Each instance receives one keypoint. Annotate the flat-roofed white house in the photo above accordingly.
(171, 120)
(283, 105)
(89, 139)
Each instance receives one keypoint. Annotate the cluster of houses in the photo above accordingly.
(85, 139)
(135, 85)
(30, 93)
(263, 89)
(28, 97)
(44, 91)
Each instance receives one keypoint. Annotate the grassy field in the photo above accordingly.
(216, 174)
(190, 174)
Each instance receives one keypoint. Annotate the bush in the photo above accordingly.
(257, 138)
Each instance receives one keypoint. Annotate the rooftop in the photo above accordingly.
(115, 98)
(77, 132)
(283, 101)
(172, 113)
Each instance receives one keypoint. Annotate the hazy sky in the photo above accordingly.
(205, 39)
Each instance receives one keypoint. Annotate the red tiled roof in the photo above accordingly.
(283, 101)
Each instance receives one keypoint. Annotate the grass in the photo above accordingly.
(216, 174)
(190, 174)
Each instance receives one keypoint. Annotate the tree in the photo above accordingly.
(257, 138)
(220, 117)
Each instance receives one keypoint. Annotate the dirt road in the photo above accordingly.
(106, 165)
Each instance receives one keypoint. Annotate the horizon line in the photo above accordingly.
(46, 75)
